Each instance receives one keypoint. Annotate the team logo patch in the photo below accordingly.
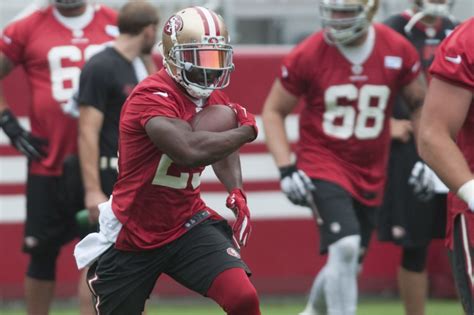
(393, 62)
(233, 252)
(31, 241)
(284, 72)
(335, 227)
(6, 39)
(175, 21)
(357, 69)
(398, 232)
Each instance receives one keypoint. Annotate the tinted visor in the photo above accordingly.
(207, 58)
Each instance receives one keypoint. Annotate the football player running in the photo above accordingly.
(446, 142)
(52, 44)
(156, 221)
(414, 207)
(347, 77)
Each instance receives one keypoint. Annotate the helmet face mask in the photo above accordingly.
(345, 20)
(69, 4)
(196, 53)
(434, 8)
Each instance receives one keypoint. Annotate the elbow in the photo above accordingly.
(189, 158)
(424, 143)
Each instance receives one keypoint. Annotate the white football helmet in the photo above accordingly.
(196, 51)
(345, 20)
(69, 4)
(434, 7)
(441, 8)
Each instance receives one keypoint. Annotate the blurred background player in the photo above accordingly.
(106, 81)
(347, 76)
(156, 216)
(446, 142)
(52, 44)
(412, 215)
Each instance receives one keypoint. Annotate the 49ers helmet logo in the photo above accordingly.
(175, 21)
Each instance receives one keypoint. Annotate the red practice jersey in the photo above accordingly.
(153, 197)
(454, 63)
(344, 125)
(52, 55)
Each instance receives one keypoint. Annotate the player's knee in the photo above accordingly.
(346, 249)
(244, 302)
(42, 266)
(414, 259)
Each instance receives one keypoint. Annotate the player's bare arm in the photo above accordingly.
(278, 105)
(414, 96)
(443, 115)
(90, 124)
(32, 147)
(195, 148)
(228, 171)
(6, 67)
(401, 129)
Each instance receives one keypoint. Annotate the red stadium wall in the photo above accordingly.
(283, 248)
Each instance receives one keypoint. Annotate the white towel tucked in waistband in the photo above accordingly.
(93, 245)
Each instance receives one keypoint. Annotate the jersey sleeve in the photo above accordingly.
(294, 75)
(152, 105)
(454, 61)
(14, 39)
(411, 66)
(94, 86)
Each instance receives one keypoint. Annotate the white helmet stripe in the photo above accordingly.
(209, 20)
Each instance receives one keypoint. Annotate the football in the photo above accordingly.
(214, 118)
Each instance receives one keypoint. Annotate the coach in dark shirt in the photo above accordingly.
(106, 81)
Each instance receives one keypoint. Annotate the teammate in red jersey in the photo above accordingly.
(446, 143)
(51, 44)
(156, 221)
(347, 77)
(414, 208)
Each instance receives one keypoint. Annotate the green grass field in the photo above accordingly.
(366, 307)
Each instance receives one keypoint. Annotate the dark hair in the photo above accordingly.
(135, 16)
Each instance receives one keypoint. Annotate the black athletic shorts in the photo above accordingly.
(462, 264)
(403, 219)
(49, 222)
(342, 215)
(121, 281)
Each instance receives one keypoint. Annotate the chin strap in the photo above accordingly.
(414, 19)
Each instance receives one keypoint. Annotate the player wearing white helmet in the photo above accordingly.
(347, 76)
(200, 63)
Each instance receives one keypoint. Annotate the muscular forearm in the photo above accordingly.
(89, 158)
(6, 67)
(442, 154)
(229, 172)
(276, 138)
(206, 148)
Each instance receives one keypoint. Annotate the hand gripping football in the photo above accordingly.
(214, 118)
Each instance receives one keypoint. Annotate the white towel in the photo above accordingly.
(95, 244)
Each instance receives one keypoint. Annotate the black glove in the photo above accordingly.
(22, 140)
(295, 184)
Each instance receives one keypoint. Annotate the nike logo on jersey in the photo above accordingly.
(164, 94)
(457, 60)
